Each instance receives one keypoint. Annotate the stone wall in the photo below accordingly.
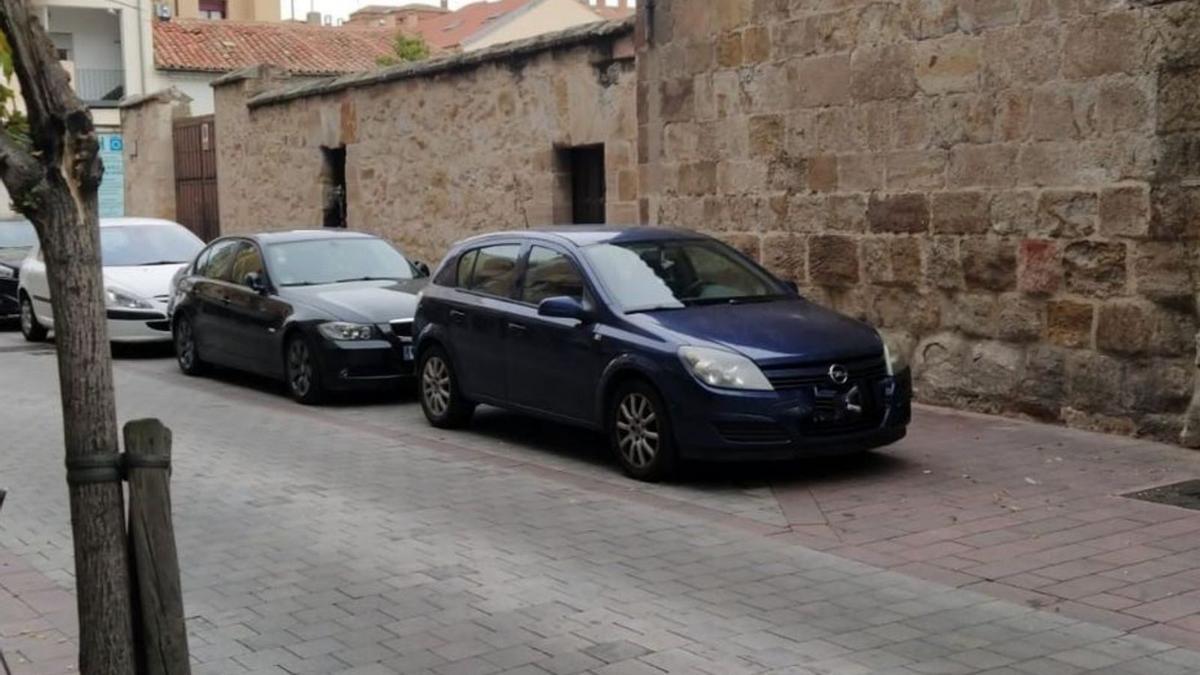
(1006, 185)
(148, 124)
(437, 151)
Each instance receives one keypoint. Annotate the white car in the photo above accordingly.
(140, 257)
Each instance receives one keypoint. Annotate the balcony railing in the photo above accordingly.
(99, 87)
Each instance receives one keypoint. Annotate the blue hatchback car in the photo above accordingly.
(674, 344)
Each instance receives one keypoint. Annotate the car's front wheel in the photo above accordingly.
(640, 432)
(303, 376)
(30, 328)
(441, 398)
(186, 353)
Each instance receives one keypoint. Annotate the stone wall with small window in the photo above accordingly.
(1011, 185)
(438, 150)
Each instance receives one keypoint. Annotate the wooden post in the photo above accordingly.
(162, 632)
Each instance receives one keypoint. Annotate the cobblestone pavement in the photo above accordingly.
(354, 539)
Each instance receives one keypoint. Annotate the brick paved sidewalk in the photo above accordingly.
(351, 540)
(37, 620)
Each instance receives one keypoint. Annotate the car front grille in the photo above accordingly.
(817, 374)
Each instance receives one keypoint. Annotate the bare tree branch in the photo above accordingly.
(19, 169)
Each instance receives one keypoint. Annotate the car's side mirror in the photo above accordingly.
(255, 282)
(563, 307)
(422, 268)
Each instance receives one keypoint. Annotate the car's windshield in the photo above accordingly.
(331, 261)
(17, 234)
(141, 245)
(679, 273)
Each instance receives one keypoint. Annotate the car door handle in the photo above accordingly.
(518, 328)
(458, 316)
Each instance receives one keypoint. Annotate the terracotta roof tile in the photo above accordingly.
(447, 31)
(223, 46)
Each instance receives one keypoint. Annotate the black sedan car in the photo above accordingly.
(321, 310)
(17, 237)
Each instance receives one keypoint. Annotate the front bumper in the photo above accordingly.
(722, 425)
(128, 326)
(367, 364)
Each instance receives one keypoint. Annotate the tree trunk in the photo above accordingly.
(53, 180)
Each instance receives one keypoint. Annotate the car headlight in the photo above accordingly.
(726, 370)
(342, 330)
(7, 272)
(897, 362)
(123, 300)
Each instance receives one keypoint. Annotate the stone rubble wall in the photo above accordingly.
(444, 150)
(995, 182)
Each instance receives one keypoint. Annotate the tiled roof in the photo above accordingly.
(612, 13)
(223, 46)
(446, 31)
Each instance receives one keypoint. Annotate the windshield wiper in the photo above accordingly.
(737, 300)
(346, 281)
(163, 262)
(656, 308)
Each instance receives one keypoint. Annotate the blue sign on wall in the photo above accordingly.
(112, 188)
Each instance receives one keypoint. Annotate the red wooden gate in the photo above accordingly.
(196, 176)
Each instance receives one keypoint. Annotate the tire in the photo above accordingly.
(441, 399)
(30, 328)
(639, 432)
(187, 354)
(303, 377)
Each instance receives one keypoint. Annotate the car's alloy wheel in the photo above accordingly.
(640, 433)
(30, 328)
(302, 378)
(441, 400)
(185, 347)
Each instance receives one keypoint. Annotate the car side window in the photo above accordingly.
(466, 265)
(246, 260)
(220, 260)
(201, 261)
(496, 270)
(550, 274)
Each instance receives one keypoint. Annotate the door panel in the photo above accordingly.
(477, 315)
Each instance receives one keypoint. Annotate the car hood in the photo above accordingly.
(770, 333)
(151, 282)
(13, 257)
(361, 301)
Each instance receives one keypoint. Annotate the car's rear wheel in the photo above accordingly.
(640, 432)
(303, 376)
(30, 328)
(441, 398)
(186, 352)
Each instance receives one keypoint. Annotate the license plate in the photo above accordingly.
(408, 353)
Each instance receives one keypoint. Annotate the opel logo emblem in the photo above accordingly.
(838, 374)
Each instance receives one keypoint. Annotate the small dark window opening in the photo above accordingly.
(333, 179)
(586, 167)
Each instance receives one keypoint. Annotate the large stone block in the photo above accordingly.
(973, 314)
(960, 212)
(1040, 270)
(993, 369)
(1179, 99)
(820, 81)
(1069, 323)
(989, 264)
(892, 261)
(847, 213)
(1125, 211)
(943, 269)
(978, 15)
(860, 173)
(1101, 45)
(916, 169)
(1021, 319)
(1021, 55)
(1095, 382)
(1052, 115)
(1069, 214)
(883, 72)
(1043, 382)
(786, 255)
(983, 166)
(948, 65)
(1122, 105)
(1095, 268)
(1137, 327)
(823, 173)
(903, 213)
(729, 50)
(833, 260)
(1160, 386)
(1013, 212)
(931, 18)
(1165, 271)
(939, 362)
(756, 44)
(766, 135)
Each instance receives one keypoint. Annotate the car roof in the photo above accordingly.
(117, 222)
(306, 235)
(587, 235)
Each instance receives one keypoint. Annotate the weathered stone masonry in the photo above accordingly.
(1006, 184)
(1012, 187)
(438, 152)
